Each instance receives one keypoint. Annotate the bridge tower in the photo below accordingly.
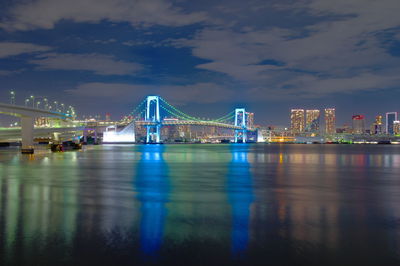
(153, 115)
(240, 121)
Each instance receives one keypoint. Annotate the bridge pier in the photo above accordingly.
(27, 123)
(56, 136)
(153, 131)
(241, 121)
(237, 136)
(153, 115)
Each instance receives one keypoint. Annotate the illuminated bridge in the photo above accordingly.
(154, 112)
(27, 116)
(189, 123)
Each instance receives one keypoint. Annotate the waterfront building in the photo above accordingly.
(378, 120)
(297, 121)
(108, 117)
(358, 124)
(396, 127)
(377, 126)
(390, 118)
(330, 121)
(312, 121)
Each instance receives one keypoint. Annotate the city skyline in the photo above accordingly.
(310, 118)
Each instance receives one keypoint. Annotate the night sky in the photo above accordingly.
(206, 57)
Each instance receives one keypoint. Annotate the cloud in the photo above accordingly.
(176, 94)
(339, 51)
(109, 41)
(10, 72)
(314, 87)
(8, 49)
(141, 43)
(97, 63)
(336, 46)
(44, 14)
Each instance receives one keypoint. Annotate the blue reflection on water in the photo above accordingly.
(240, 194)
(153, 189)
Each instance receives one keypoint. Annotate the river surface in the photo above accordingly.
(200, 204)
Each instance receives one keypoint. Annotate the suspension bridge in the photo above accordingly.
(154, 112)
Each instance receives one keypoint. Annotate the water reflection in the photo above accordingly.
(202, 205)
(33, 208)
(152, 185)
(240, 194)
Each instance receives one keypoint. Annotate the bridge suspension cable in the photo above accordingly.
(176, 112)
(135, 113)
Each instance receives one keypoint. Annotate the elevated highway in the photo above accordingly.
(14, 134)
(27, 116)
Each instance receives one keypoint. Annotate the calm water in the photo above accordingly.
(202, 205)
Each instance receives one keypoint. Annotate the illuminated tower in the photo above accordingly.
(358, 124)
(297, 121)
(153, 117)
(240, 121)
(390, 118)
(330, 121)
(312, 121)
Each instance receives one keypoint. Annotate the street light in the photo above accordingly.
(12, 99)
(46, 104)
(37, 105)
(33, 101)
(26, 102)
(63, 109)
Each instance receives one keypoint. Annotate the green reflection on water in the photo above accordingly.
(237, 198)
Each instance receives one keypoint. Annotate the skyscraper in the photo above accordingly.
(390, 118)
(377, 126)
(312, 121)
(330, 121)
(358, 124)
(297, 121)
(108, 117)
(396, 127)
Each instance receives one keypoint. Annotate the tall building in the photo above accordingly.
(390, 118)
(312, 121)
(396, 127)
(297, 121)
(108, 117)
(358, 124)
(330, 121)
(377, 126)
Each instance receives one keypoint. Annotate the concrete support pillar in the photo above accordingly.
(27, 134)
(56, 136)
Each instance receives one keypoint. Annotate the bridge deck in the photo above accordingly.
(194, 123)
